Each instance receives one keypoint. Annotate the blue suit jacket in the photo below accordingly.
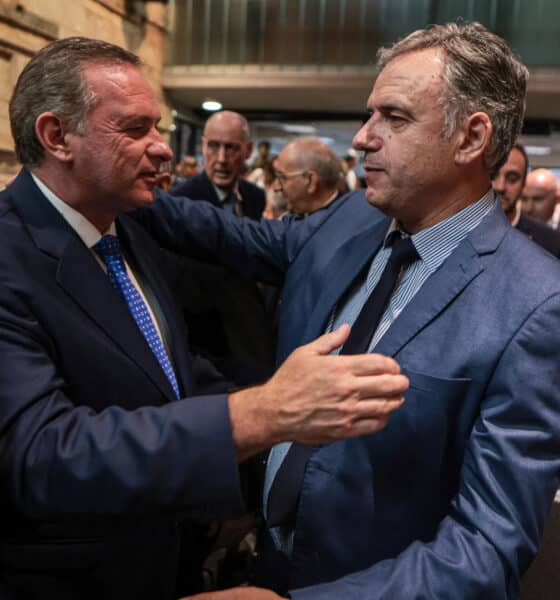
(449, 500)
(99, 464)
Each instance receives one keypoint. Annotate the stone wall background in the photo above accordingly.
(28, 25)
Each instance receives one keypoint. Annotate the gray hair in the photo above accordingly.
(480, 74)
(52, 82)
(311, 154)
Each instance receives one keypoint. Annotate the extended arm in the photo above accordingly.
(261, 250)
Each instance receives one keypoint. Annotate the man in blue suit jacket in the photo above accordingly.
(109, 455)
(450, 499)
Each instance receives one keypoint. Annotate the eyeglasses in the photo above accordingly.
(284, 176)
(230, 148)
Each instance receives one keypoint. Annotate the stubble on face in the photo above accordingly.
(408, 163)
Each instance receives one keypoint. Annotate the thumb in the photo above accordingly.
(329, 341)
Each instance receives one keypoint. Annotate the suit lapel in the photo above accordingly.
(347, 263)
(433, 297)
(82, 278)
(443, 286)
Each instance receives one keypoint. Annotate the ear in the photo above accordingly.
(474, 138)
(248, 150)
(52, 135)
(313, 181)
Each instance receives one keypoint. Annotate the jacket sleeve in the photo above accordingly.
(260, 250)
(509, 476)
(59, 459)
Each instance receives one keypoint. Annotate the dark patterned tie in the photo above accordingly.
(109, 250)
(284, 492)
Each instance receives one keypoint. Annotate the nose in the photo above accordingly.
(160, 149)
(366, 139)
(498, 184)
(527, 206)
(277, 185)
(222, 153)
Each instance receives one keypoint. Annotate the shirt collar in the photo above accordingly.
(87, 232)
(434, 244)
(222, 195)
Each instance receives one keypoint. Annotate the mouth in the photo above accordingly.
(149, 177)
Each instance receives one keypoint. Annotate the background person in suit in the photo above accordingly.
(108, 452)
(450, 500)
(508, 184)
(228, 317)
(307, 172)
(226, 145)
(539, 199)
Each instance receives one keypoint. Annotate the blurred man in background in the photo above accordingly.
(539, 199)
(508, 185)
(307, 172)
(226, 145)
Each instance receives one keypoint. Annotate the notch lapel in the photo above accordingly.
(433, 297)
(347, 263)
(442, 287)
(83, 279)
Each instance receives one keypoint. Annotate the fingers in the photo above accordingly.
(328, 342)
(367, 364)
(380, 386)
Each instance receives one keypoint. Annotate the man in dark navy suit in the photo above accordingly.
(226, 145)
(508, 185)
(109, 451)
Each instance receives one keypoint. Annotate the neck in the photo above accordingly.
(71, 193)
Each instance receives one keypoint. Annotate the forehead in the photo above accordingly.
(121, 88)
(226, 129)
(410, 77)
(514, 162)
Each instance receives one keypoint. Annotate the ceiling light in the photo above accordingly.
(211, 105)
(538, 150)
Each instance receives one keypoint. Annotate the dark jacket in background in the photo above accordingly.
(200, 187)
(542, 235)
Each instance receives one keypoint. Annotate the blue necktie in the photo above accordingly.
(109, 250)
(283, 496)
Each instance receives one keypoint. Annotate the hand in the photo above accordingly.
(239, 593)
(316, 397)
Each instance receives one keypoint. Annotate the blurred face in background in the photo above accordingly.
(538, 199)
(225, 148)
(291, 182)
(509, 181)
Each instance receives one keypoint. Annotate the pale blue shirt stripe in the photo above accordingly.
(434, 245)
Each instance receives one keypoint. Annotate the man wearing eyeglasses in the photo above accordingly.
(307, 175)
(226, 145)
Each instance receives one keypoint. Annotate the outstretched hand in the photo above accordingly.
(316, 397)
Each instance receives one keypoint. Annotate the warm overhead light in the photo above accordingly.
(211, 105)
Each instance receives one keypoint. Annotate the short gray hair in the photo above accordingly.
(52, 82)
(312, 154)
(480, 74)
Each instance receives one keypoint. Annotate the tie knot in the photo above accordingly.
(403, 252)
(108, 247)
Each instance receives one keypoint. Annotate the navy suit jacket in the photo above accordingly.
(450, 499)
(200, 187)
(541, 234)
(99, 463)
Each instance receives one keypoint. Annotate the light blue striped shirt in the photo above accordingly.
(434, 245)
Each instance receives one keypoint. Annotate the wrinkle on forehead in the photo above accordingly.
(413, 73)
